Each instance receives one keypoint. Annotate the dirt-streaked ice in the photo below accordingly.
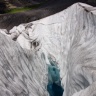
(68, 37)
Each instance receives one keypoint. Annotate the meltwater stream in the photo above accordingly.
(54, 84)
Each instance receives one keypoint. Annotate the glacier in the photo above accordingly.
(67, 37)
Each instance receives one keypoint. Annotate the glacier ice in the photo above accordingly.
(54, 83)
(68, 37)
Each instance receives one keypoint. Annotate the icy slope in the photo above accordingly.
(22, 72)
(69, 38)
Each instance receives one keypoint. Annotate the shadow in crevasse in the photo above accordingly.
(54, 84)
(55, 90)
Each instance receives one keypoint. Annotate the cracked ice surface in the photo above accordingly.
(68, 37)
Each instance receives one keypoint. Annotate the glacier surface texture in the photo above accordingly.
(59, 50)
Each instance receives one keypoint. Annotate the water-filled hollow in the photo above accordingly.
(54, 83)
